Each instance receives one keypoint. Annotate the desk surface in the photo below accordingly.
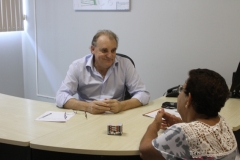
(79, 135)
(17, 120)
(231, 113)
(90, 136)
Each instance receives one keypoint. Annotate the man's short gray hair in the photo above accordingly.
(111, 35)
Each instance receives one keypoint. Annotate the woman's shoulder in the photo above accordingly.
(172, 143)
(212, 141)
(199, 125)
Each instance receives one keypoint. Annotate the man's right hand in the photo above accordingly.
(97, 107)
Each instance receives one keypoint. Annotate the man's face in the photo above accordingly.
(104, 52)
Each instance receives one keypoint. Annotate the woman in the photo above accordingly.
(201, 134)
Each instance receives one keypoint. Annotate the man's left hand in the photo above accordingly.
(114, 105)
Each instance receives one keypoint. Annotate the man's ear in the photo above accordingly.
(92, 48)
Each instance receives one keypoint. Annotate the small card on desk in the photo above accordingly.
(115, 129)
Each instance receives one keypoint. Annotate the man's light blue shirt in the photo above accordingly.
(82, 78)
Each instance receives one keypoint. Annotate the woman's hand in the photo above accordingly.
(169, 120)
(158, 119)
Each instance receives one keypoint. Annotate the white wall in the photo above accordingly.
(11, 64)
(29, 56)
(165, 38)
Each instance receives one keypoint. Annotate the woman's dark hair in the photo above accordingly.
(209, 91)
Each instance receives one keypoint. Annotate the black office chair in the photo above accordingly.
(127, 95)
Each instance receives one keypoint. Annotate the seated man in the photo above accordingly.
(100, 79)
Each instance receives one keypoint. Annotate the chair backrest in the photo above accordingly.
(127, 95)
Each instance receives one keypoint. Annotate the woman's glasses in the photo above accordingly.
(180, 88)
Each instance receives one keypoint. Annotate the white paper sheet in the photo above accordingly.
(53, 116)
(171, 111)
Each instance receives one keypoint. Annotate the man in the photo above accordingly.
(100, 79)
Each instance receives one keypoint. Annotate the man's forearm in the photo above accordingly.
(76, 105)
(129, 104)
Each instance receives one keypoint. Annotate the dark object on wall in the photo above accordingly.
(235, 88)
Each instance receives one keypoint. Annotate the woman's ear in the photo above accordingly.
(189, 102)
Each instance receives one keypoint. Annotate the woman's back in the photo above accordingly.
(197, 140)
(200, 133)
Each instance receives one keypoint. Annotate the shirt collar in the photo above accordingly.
(89, 62)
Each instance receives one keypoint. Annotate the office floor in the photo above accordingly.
(47, 155)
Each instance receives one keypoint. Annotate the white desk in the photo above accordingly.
(90, 136)
(17, 120)
(231, 113)
(18, 127)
